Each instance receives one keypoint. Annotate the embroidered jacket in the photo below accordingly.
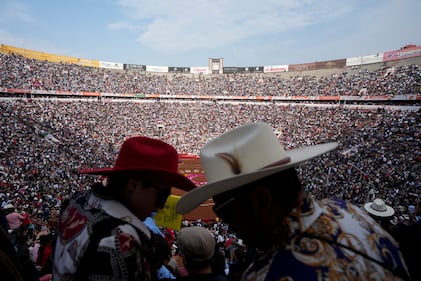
(331, 240)
(100, 239)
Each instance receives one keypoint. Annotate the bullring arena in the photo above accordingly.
(61, 114)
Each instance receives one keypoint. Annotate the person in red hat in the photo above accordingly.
(100, 233)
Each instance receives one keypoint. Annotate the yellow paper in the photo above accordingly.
(167, 216)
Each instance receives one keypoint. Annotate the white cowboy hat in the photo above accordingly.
(241, 156)
(379, 209)
(9, 206)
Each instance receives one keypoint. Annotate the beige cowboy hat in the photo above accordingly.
(379, 208)
(241, 156)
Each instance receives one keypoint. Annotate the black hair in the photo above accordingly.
(115, 184)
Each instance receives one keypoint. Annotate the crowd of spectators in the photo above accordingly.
(45, 141)
(17, 72)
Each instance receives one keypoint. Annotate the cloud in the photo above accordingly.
(123, 25)
(15, 11)
(180, 26)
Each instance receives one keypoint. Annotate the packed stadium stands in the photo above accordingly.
(46, 139)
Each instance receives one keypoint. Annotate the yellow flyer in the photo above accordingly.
(167, 216)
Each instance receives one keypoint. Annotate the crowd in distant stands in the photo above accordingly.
(17, 72)
(44, 142)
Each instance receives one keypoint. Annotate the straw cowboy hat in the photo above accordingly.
(241, 156)
(379, 209)
(151, 158)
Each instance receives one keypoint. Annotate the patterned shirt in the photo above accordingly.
(118, 243)
(331, 240)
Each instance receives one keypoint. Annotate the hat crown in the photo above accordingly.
(244, 150)
(150, 158)
(379, 208)
(197, 243)
(379, 205)
(147, 153)
(241, 156)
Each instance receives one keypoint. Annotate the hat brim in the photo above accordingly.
(385, 214)
(194, 198)
(160, 176)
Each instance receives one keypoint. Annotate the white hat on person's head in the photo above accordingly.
(9, 206)
(241, 156)
(196, 243)
(379, 208)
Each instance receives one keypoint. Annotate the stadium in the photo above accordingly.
(60, 114)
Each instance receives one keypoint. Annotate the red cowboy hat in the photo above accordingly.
(152, 158)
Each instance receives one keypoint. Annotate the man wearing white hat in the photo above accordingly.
(256, 190)
(379, 209)
(381, 213)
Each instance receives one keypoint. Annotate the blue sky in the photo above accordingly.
(188, 32)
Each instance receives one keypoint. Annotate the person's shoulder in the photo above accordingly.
(402, 231)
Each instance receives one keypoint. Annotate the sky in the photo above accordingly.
(186, 33)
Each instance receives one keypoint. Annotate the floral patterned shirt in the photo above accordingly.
(331, 240)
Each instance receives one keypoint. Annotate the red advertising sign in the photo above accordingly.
(403, 53)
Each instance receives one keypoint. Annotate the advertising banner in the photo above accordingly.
(354, 61)
(403, 53)
(178, 69)
(255, 69)
(276, 68)
(154, 68)
(199, 70)
(110, 65)
(129, 66)
(233, 69)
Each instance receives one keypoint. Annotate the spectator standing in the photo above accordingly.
(100, 231)
(14, 218)
(409, 239)
(256, 190)
(197, 248)
(381, 213)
